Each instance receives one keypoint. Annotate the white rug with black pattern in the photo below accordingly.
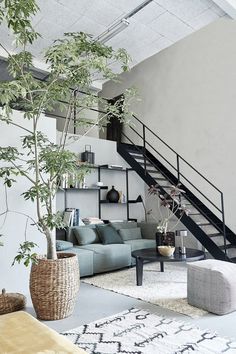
(137, 331)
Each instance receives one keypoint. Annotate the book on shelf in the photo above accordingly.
(71, 217)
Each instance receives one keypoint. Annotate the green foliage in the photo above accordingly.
(75, 61)
(17, 14)
(25, 254)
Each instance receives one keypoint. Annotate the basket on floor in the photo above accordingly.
(10, 302)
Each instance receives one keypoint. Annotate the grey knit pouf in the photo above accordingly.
(212, 286)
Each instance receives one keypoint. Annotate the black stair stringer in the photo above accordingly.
(191, 225)
(197, 203)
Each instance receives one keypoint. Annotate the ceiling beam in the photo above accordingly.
(228, 6)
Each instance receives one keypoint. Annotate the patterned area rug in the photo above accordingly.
(137, 331)
(167, 289)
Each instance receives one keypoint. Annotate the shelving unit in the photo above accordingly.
(102, 201)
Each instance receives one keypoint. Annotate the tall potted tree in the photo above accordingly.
(73, 63)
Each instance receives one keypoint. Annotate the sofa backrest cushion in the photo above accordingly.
(63, 245)
(148, 229)
(70, 235)
(123, 225)
(130, 234)
(108, 235)
(86, 235)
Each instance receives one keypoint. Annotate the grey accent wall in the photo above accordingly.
(188, 94)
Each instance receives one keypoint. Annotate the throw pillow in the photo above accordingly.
(63, 245)
(108, 235)
(130, 234)
(85, 235)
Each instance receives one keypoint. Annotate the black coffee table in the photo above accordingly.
(152, 255)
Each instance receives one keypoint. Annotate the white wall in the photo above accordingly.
(87, 201)
(16, 278)
(188, 94)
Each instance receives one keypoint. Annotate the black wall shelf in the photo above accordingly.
(102, 201)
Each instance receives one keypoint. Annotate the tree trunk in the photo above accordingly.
(51, 246)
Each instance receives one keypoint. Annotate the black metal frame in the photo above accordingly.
(148, 158)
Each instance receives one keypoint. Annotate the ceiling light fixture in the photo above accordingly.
(119, 26)
(112, 31)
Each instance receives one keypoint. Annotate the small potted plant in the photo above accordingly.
(168, 205)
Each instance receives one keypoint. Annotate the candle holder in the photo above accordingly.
(181, 234)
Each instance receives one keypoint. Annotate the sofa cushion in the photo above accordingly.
(130, 234)
(148, 229)
(86, 235)
(109, 257)
(85, 258)
(108, 235)
(123, 225)
(63, 245)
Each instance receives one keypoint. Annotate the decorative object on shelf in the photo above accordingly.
(113, 195)
(182, 234)
(88, 155)
(99, 184)
(10, 302)
(166, 251)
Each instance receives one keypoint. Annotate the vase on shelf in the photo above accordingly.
(113, 195)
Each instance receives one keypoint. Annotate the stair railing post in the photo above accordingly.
(144, 149)
(223, 221)
(177, 165)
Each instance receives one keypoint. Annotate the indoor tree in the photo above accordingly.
(74, 62)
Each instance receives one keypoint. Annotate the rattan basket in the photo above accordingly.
(54, 286)
(10, 302)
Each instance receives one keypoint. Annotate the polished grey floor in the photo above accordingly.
(96, 303)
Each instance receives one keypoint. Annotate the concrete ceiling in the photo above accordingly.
(157, 26)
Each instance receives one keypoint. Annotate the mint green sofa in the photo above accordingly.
(95, 257)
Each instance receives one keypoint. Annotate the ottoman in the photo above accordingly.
(211, 285)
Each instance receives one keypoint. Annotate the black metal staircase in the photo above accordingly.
(158, 164)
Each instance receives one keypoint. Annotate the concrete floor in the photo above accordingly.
(96, 303)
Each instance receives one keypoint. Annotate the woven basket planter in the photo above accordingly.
(54, 286)
(10, 302)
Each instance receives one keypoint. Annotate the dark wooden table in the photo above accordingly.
(152, 255)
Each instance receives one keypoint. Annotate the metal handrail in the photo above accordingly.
(179, 173)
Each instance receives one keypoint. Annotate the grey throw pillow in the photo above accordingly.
(85, 235)
(130, 234)
(108, 235)
(63, 245)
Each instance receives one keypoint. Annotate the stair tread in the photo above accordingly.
(228, 246)
(200, 223)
